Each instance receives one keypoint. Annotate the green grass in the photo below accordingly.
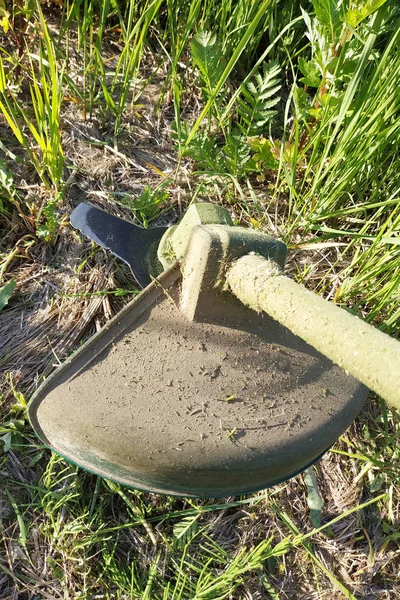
(290, 117)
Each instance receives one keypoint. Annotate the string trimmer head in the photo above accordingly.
(187, 391)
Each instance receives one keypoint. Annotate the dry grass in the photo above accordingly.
(54, 308)
(65, 533)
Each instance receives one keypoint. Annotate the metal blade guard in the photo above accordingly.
(188, 392)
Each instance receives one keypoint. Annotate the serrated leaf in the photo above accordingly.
(185, 530)
(205, 152)
(6, 292)
(302, 101)
(49, 228)
(258, 99)
(328, 15)
(237, 154)
(361, 10)
(208, 58)
(311, 72)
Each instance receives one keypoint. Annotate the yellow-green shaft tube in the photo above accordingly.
(368, 354)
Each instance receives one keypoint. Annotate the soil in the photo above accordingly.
(197, 408)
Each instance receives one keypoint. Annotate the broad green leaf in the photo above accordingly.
(6, 292)
(316, 112)
(328, 15)
(262, 153)
(347, 68)
(326, 99)
(311, 72)
(5, 24)
(4, 16)
(361, 10)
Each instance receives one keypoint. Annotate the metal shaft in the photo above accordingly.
(368, 354)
